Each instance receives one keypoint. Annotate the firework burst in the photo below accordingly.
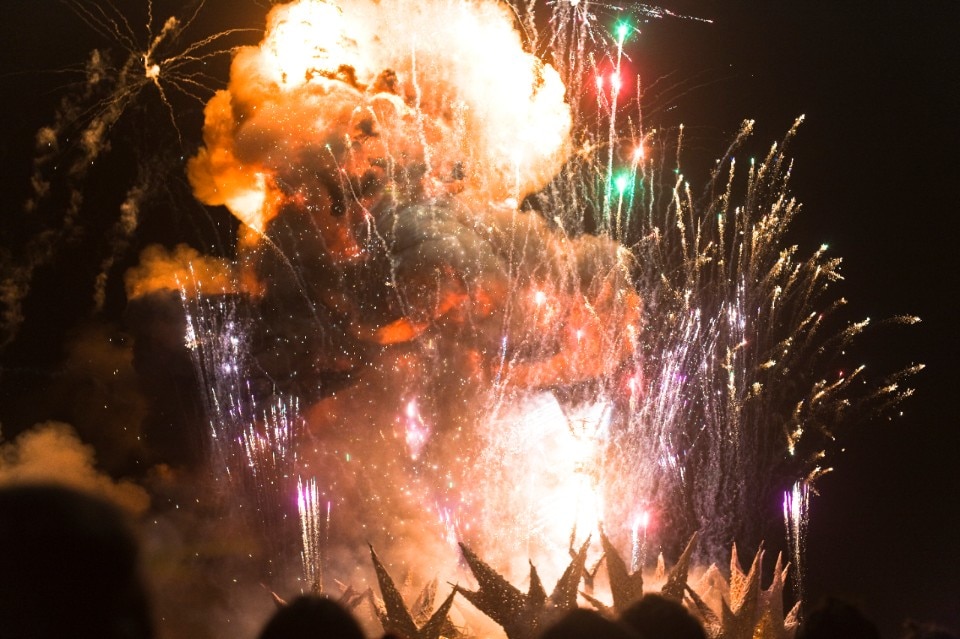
(114, 83)
(495, 316)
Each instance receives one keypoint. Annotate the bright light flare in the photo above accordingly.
(416, 430)
(542, 497)
(306, 41)
(615, 82)
(313, 530)
(638, 534)
(796, 508)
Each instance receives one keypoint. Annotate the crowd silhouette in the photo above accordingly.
(69, 569)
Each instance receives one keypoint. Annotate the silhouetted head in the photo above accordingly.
(68, 567)
(921, 630)
(833, 618)
(311, 617)
(656, 617)
(581, 622)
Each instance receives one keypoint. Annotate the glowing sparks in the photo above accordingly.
(417, 433)
(796, 506)
(162, 64)
(314, 530)
(639, 540)
(513, 374)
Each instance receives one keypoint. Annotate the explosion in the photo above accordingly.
(338, 104)
(471, 330)
(376, 157)
(458, 316)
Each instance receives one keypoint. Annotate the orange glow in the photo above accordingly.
(482, 108)
(160, 269)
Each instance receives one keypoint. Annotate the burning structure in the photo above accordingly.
(386, 276)
(456, 313)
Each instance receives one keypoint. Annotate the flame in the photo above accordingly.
(446, 85)
(542, 497)
(304, 39)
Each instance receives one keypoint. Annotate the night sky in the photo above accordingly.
(876, 168)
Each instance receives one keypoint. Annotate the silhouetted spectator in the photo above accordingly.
(836, 619)
(581, 623)
(68, 568)
(312, 617)
(919, 630)
(656, 617)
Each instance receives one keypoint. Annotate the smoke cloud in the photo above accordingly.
(53, 452)
(376, 154)
(385, 277)
(164, 270)
(440, 88)
(390, 310)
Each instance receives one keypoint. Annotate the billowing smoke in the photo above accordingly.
(53, 453)
(163, 270)
(442, 92)
(387, 279)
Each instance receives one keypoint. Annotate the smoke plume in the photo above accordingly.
(163, 270)
(442, 88)
(52, 452)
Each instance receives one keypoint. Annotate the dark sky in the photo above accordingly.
(876, 169)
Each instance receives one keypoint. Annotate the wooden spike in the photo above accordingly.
(707, 615)
(438, 621)
(564, 596)
(536, 594)
(677, 579)
(626, 588)
(398, 618)
(499, 600)
(599, 605)
(423, 606)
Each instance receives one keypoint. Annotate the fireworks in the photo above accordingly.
(314, 531)
(796, 505)
(619, 348)
(158, 60)
(160, 68)
(470, 305)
